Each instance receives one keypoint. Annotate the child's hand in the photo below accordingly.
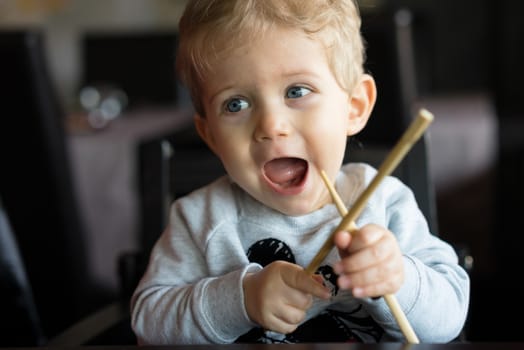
(371, 263)
(278, 296)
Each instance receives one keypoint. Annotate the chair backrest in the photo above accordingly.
(36, 184)
(170, 167)
(390, 59)
(20, 321)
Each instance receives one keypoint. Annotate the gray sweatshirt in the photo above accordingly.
(192, 293)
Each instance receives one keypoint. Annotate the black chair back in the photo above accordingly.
(20, 323)
(36, 184)
(390, 59)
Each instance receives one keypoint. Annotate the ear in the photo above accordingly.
(202, 127)
(361, 103)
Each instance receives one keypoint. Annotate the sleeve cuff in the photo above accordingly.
(224, 305)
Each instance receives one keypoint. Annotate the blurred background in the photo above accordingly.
(110, 63)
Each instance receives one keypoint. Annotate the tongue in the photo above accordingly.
(285, 171)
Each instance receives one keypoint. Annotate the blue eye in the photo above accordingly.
(236, 105)
(297, 92)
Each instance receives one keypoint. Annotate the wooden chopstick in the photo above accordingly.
(406, 142)
(390, 299)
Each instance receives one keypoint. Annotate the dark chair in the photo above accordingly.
(38, 193)
(171, 167)
(21, 325)
(390, 60)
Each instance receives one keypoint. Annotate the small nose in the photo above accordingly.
(272, 124)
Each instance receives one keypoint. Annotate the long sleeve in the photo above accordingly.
(185, 295)
(208, 311)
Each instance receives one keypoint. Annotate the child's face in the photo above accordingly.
(276, 116)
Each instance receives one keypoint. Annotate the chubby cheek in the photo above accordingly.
(330, 156)
(330, 119)
(224, 152)
(329, 144)
(234, 155)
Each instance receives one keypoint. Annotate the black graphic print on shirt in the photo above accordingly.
(329, 325)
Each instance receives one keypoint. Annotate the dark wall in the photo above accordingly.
(471, 45)
(454, 43)
(509, 58)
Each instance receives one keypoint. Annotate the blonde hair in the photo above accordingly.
(210, 28)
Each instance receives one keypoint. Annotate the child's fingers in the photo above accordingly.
(378, 273)
(377, 289)
(278, 325)
(377, 253)
(342, 241)
(365, 237)
(291, 315)
(365, 258)
(300, 280)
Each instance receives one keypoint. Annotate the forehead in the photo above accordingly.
(276, 42)
(277, 53)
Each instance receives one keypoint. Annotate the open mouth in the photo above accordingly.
(286, 173)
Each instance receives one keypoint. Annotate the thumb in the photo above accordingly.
(299, 279)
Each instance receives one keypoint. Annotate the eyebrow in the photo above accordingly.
(301, 72)
(212, 97)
